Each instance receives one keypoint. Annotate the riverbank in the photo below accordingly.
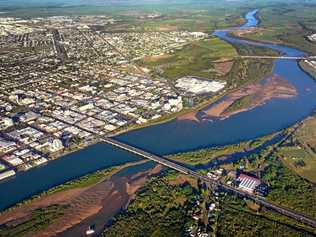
(82, 199)
(251, 96)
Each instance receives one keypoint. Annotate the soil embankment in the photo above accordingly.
(251, 96)
(246, 98)
(93, 205)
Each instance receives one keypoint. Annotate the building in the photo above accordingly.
(312, 37)
(56, 145)
(248, 183)
(5, 123)
(66, 138)
(7, 174)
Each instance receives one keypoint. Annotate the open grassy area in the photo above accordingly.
(195, 59)
(203, 156)
(239, 104)
(299, 152)
(288, 24)
(202, 58)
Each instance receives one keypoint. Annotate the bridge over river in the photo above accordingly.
(184, 170)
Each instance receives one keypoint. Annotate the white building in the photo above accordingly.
(56, 145)
(198, 86)
(248, 183)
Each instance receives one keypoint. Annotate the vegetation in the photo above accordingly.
(81, 182)
(288, 189)
(203, 156)
(236, 219)
(39, 219)
(179, 15)
(194, 59)
(159, 209)
(298, 152)
(202, 58)
(240, 104)
(294, 22)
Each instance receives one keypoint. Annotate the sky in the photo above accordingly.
(43, 3)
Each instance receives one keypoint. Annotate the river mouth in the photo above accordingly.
(180, 135)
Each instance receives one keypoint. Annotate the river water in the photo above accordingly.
(178, 136)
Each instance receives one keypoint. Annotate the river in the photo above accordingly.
(178, 136)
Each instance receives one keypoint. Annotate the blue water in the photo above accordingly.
(176, 136)
(26, 184)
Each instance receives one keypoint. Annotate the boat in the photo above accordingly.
(90, 230)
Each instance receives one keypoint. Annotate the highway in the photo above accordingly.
(184, 170)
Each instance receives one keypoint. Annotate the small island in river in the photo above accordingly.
(248, 97)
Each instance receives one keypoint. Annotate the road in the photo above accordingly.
(163, 161)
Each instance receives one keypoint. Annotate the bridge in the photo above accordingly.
(275, 57)
(184, 170)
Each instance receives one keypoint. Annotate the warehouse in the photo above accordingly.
(248, 183)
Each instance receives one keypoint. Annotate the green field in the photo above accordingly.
(204, 156)
(288, 24)
(194, 59)
(299, 153)
(239, 104)
(201, 58)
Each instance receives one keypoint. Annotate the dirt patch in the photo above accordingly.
(156, 58)
(26, 210)
(183, 179)
(189, 116)
(95, 204)
(222, 68)
(251, 30)
(167, 28)
(251, 96)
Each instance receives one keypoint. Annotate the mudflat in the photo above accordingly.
(245, 98)
(89, 203)
(251, 96)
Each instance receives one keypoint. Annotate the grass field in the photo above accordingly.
(195, 59)
(288, 24)
(204, 156)
(299, 153)
(204, 58)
